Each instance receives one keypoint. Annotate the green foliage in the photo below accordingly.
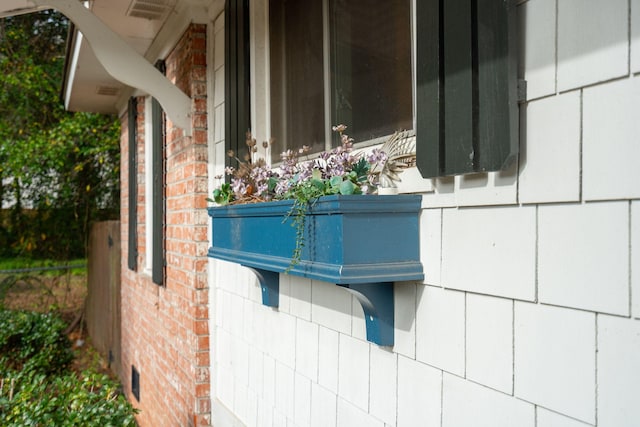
(32, 341)
(38, 389)
(58, 170)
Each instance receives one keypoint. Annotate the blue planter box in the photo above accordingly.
(363, 243)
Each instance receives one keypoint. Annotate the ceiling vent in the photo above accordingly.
(150, 9)
(107, 90)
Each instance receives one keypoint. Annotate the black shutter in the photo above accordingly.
(158, 196)
(157, 269)
(133, 187)
(466, 95)
(237, 77)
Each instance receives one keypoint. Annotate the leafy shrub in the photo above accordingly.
(38, 389)
(32, 341)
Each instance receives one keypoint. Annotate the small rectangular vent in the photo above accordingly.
(150, 9)
(135, 383)
(107, 90)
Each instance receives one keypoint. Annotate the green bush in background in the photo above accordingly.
(37, 388)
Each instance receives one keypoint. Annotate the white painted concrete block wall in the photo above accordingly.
(530, 310)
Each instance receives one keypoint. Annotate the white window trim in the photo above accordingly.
(148, 185)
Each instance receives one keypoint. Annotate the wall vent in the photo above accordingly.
(150, 9)
(107, 90)
(135, 383)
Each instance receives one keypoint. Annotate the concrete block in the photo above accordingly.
(307, 349)
(635, 258)
(635, 36)
(440, 328)
(489, 341)
(419, 394)
(352, 416)
(324, 407)
(383, 385)
(550, 163)
(583, 256)
(555, 359)
(610, 140)
(490, 251)
(328, 359)
(592, 41)
(547, 418)
(353, 371)
(538, 24)
(405, 319)
(302, 400)
(331, 306)
(618, 371)
(465, 403)
(430, 244)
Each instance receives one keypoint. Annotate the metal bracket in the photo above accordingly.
(376, 300)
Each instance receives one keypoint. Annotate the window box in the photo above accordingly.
(363, 243)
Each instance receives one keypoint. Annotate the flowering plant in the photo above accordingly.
(339, 171)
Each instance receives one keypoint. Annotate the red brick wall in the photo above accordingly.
(165, 328)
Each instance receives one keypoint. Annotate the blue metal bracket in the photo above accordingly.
(376, 300)
(270, 285)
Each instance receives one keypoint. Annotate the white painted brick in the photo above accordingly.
(489, 338)
(285, 390)
(419, 394)
(550, 164)
(351, 416)
(302, 401)
(353, 371)
(490, 251)
(618, 372)
(611, 144)
(592, 41)
(236, 326)
(323, 407)
(440, 328)
(405, 319)
(430, 244)
(584, 256)
(547, 418)
(635, 36)
(252, 408)
(328, 359)
(538, 21)
(307, 349)
(635, 257)
(383, 385)
(225, 388)
(331, 306)
(300, 297)
(554, 362)
(465, 403)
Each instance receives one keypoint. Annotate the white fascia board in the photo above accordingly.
(122, 62)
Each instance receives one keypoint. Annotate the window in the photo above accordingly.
(338, 61)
